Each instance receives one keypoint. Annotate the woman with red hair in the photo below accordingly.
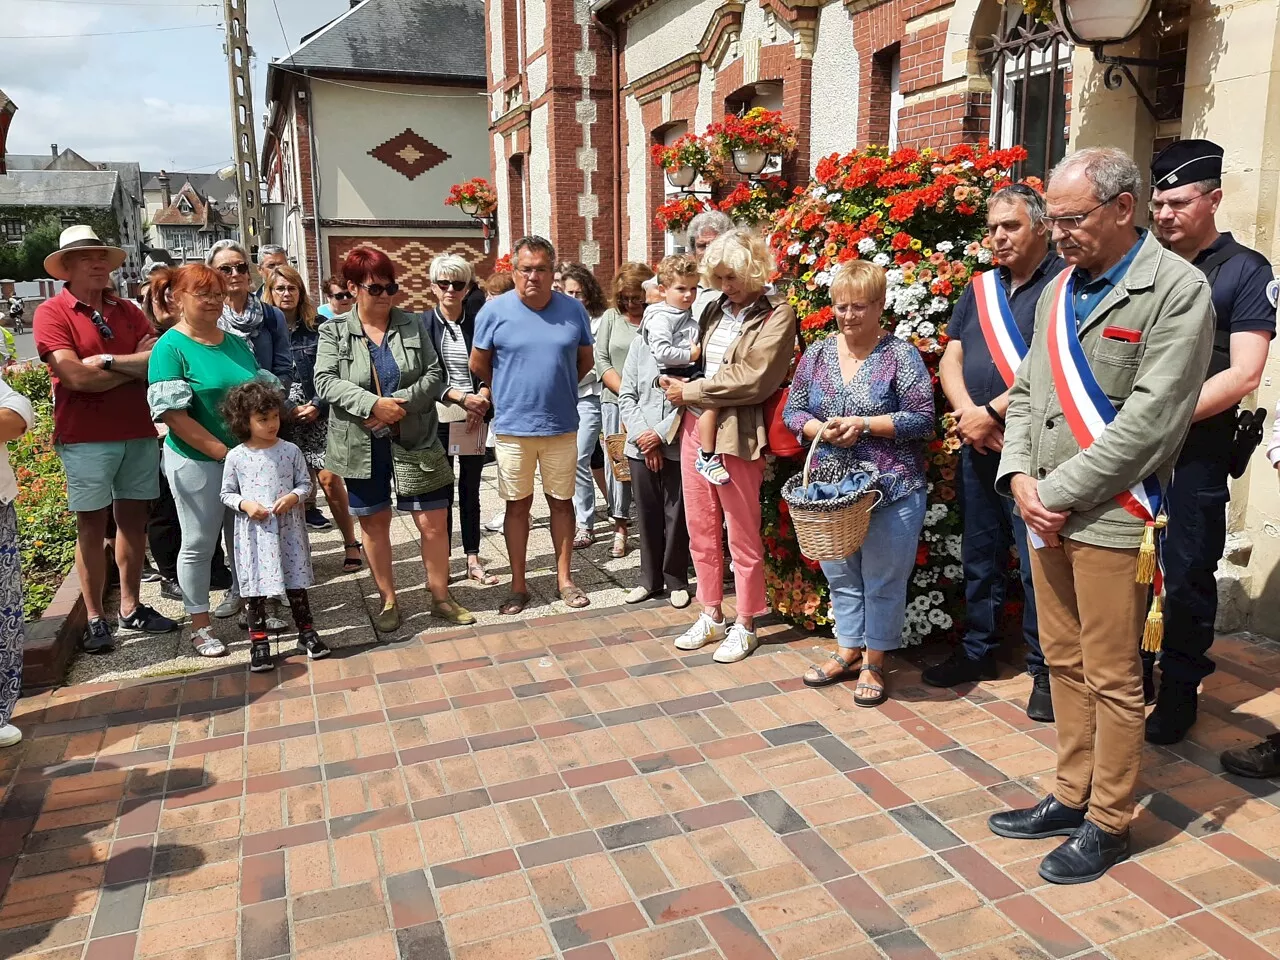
(193, 366)
(379, 373)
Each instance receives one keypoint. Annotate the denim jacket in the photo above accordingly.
(305, 342)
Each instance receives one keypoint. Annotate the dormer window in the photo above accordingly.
(184, 206)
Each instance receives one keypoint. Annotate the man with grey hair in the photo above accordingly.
(1097, 415)
(532, 346)
(270, 256)
(703, 229)
(989, 332)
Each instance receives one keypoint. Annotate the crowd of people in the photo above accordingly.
(1094, 378)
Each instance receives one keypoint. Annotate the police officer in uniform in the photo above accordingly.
(1186, 182)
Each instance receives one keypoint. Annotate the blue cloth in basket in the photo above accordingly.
(853, 485)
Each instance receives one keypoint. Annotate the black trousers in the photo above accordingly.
(664, 538)
(1194, 542)
(469, 470)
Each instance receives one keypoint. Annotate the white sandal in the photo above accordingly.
(206, 644)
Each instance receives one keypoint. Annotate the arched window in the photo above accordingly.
(1030, 66)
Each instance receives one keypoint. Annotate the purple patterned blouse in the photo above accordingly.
(892, 381)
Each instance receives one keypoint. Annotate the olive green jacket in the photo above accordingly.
(344, 380)
(1154, 384)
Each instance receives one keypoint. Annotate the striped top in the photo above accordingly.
(454, 355)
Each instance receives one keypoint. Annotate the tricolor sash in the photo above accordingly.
(999, 330)
(1088, 411)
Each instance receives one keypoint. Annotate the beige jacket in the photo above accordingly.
(754, 367)
(1154, 384)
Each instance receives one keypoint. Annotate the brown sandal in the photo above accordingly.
(514, 604)
(880, 693)
(815, 676)
(481, 576)
(573, 597)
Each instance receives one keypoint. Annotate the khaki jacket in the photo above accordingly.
(1153, 383)
(754, 367)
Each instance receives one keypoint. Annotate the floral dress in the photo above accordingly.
(272, 555)
(893, 381)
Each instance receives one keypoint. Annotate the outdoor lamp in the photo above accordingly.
(1092, 23)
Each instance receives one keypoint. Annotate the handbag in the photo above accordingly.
(781, 441)
(420, 472)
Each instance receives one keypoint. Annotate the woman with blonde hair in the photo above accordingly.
(870, 396)
(618, 327)
(747, 347)
(309, 427)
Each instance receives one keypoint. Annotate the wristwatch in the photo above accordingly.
(107, 360)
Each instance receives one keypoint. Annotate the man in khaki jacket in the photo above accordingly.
(1144, 323)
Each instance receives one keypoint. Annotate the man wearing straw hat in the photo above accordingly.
(1097, 415)
(97, 346)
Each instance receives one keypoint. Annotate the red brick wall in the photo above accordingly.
(412, 257)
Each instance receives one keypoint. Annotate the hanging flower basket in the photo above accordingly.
(475, 198)
(503, 264)
(689, 158)
(758, 131)
(675, 215)
(921, 216)
(1041, 10)
(757, 203)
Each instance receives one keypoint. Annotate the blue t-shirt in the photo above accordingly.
(535, 363)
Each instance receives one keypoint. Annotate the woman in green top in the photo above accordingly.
(617, 329)
(193, 366)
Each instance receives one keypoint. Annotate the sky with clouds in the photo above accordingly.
(155, 92)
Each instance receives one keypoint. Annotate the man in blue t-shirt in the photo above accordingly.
(532, 346)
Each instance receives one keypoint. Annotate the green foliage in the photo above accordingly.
(46, 528)
(25, 261)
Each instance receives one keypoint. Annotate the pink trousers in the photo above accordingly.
(705, 508)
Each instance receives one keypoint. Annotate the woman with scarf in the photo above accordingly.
(263, 328)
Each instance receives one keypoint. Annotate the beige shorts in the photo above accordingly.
(554, 458)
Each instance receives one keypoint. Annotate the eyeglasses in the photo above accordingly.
(230, 268)
(378, 289)
(458, 285)
(532, 271)
(100, 322)
(210, 298)
(1076, 220)
(1175, 206)
(339, 295)
(628, 300)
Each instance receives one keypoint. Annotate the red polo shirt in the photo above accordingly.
(121, 413)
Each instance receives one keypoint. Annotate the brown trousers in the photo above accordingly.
(1090, 611)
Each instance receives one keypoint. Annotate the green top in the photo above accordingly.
(613, 343)
(196, 377)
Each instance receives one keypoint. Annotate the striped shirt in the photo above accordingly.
(721, 339)
(453, 353)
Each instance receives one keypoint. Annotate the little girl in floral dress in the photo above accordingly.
(265, 480)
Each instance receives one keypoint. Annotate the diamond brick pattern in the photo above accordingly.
(572, 786)
(409, 154)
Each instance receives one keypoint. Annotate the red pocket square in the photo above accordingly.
(1122, 333)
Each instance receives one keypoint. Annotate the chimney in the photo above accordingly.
(165, 197)
(53, 149)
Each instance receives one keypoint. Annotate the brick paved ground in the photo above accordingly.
(575, 787)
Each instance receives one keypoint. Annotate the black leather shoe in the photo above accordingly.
(1175, 712)
(1048, 818)
(958, 669)
(1040, 703)
(1089, 854)
(1261, 759)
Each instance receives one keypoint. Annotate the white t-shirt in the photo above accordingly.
(721, 339)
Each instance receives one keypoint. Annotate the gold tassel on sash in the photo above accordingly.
(1147, 552)
(1153, 631)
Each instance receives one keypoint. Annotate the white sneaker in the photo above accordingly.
(230, 605)
(495, 523)
(9, 735)
(704, 631)
(738, 645)
(679, 599)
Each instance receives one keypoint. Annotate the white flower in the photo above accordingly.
(953, 571)
(866, 245)
(935, 597)
(920, 580)
(984, 255)
(809, 258)
(939, 305)
(794, 249)
(819, 192)
(926, 329)
(822, 278)
(880, 259)
(937, 616)
(902, 331)
(945, 246)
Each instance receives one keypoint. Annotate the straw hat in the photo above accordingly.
(79, 238)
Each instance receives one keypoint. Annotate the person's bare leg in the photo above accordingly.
(516, 530)
(435, 551)
(335, 494)
(598, 473)
(91, 558)
(315, 485)
(562, 522)
(131, 546)
(377, 547)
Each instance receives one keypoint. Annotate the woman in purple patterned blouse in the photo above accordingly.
(874, 394)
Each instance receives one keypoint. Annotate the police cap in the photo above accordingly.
(1186, 161)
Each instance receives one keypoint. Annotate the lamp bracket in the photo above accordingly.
(1118, 71)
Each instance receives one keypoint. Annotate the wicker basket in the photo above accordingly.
(832, 534)
(615, 446)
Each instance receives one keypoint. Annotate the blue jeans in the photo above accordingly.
(869, 589)
(584, 486)
(990, 529)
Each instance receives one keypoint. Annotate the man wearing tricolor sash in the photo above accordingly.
(1098, 412)
(989, 332)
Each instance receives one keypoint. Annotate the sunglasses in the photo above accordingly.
(626, 300)
(378, 289)
(100, 322)
(340, 295)
(230, 268)
(458, 285)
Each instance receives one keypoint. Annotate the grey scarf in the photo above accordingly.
(244, 325)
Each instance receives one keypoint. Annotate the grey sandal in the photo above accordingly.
(815, 676)
(881, 692)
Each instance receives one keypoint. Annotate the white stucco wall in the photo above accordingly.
(495, 40)
(833, 118)
(665, 32)
(502, 186)
(706, 99)
(536, 74)
(637, 203)
(535, 25)
(538, 173)
(349, 123)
